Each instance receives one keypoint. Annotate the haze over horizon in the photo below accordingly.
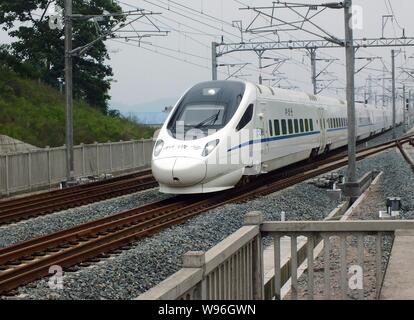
(159, 71)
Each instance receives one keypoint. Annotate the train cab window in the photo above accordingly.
(277, 127)
(311, 124)
(302, 129)
(306, 125)
(290, 125)
(206, 108)
(296, 123)
(247, 117)
(270, 128)
(284, 128)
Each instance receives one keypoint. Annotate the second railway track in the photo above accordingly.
(25, 262)
(40, 204)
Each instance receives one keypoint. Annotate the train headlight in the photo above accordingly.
(210, 147)
(158, 147)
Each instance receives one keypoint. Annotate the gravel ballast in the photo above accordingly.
(151, 260)
(26, 230)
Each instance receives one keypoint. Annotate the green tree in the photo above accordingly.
(36, 44)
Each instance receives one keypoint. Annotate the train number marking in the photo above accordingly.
(289, 112)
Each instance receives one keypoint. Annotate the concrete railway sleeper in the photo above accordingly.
(78, 197)
(25, 262)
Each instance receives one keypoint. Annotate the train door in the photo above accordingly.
(262, 126)
(322, 125)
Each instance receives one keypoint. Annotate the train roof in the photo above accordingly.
(293, 95)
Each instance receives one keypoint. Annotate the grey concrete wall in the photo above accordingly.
(40, 168)
(8, 145)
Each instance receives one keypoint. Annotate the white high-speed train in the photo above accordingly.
(222, 131)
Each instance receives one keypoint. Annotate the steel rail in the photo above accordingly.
(30, 260)
(75, 198)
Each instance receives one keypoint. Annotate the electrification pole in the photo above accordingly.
(404, 110)
(313, 67)
(260, 54)
(394, 134)
(350, 91)
(68, 91)
(214, 60)
(410, 108)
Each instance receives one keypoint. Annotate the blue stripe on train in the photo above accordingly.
(263, 140)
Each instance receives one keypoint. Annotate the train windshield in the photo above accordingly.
(205, 109)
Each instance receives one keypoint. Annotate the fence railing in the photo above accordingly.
(31, 170)
(234, 269)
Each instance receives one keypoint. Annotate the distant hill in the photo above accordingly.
(34, 113)
(150, 106)
(149, 118)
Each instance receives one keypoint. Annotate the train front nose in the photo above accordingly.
(179, 171)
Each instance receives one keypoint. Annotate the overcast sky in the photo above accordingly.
(143, 75)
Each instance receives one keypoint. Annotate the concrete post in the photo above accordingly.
(404, 110)
(214, 60)
(29, 169)
(350, 91)
(197, 259)
(256, 218)
(7, 176)
(143, 152)
(49, 169)
(83, 160)
(97, 158)
(394, 134)
(69, 91)
(260, 54)
(110, 156)
(134, 165)
(313, 67)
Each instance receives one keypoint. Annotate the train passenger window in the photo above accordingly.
(284, 128)
(290, 125)
(311, 124)
(302, 129)
(270, 128)
(306, 125)
(247, 117)
(296, 122)
(277, 127)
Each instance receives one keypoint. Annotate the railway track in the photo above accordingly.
(40, 204)
(30, 260)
